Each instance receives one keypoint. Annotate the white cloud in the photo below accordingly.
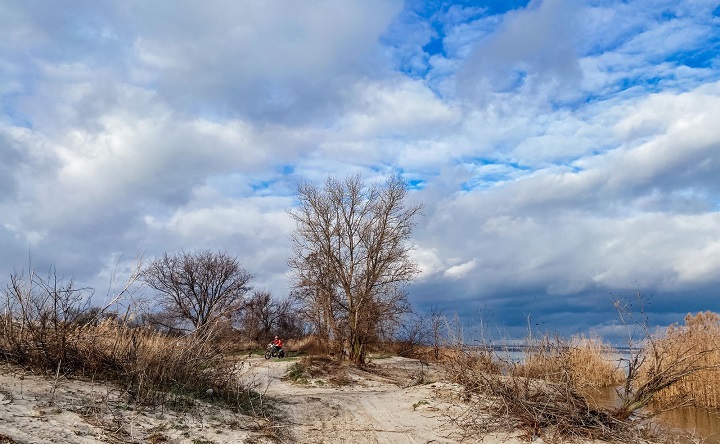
(461, 270)
(428, 261)
(276, 60)
(560, 148)
(397, 108)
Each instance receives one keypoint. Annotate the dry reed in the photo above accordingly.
(582, 362)
(693, 348)
(464, 365)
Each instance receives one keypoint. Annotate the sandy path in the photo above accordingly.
(373, 409)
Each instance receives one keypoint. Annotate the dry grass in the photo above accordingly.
(542, 395)
(151, 367)
(463, 365)
(308, 345)
(580, 362)
(48, 326)
(529, 399)
(693, 349)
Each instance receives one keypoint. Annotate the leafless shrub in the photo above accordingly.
(436, 323)
(261, 316)
(502, 396)
(41, 329)
(410, 338)
(465, 366)
(45, 318)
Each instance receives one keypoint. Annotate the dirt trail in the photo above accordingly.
(384, 405)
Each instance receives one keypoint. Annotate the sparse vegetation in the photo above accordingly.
(49, 326)
(40, 330)
(420, 403)
(322, 369)
(541, 398)
(580, 362)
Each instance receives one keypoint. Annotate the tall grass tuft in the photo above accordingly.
(583, 362)
(693, 352)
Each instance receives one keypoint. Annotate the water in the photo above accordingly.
(696, 421)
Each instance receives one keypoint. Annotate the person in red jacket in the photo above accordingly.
(277, 343)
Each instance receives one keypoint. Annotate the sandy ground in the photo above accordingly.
(35, 409)
(387, 404)
(396, 400)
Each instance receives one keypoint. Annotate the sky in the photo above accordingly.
(566, 152)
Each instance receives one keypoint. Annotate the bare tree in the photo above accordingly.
(319, 302)
(351, 254)
(437, 321)
(198, 287)
(262, 316)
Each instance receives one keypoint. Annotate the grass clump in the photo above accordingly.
(319, 368)
(298, 373)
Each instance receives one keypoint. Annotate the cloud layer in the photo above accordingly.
(565, 151)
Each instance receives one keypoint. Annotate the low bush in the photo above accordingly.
(151, 367)
(465, 366)
(543, 394)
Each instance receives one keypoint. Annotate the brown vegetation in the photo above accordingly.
(667, 365)
(543, 394)
(311, 367)
(47, 327)
(579, 362)
(685, 363)
(152, 368)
